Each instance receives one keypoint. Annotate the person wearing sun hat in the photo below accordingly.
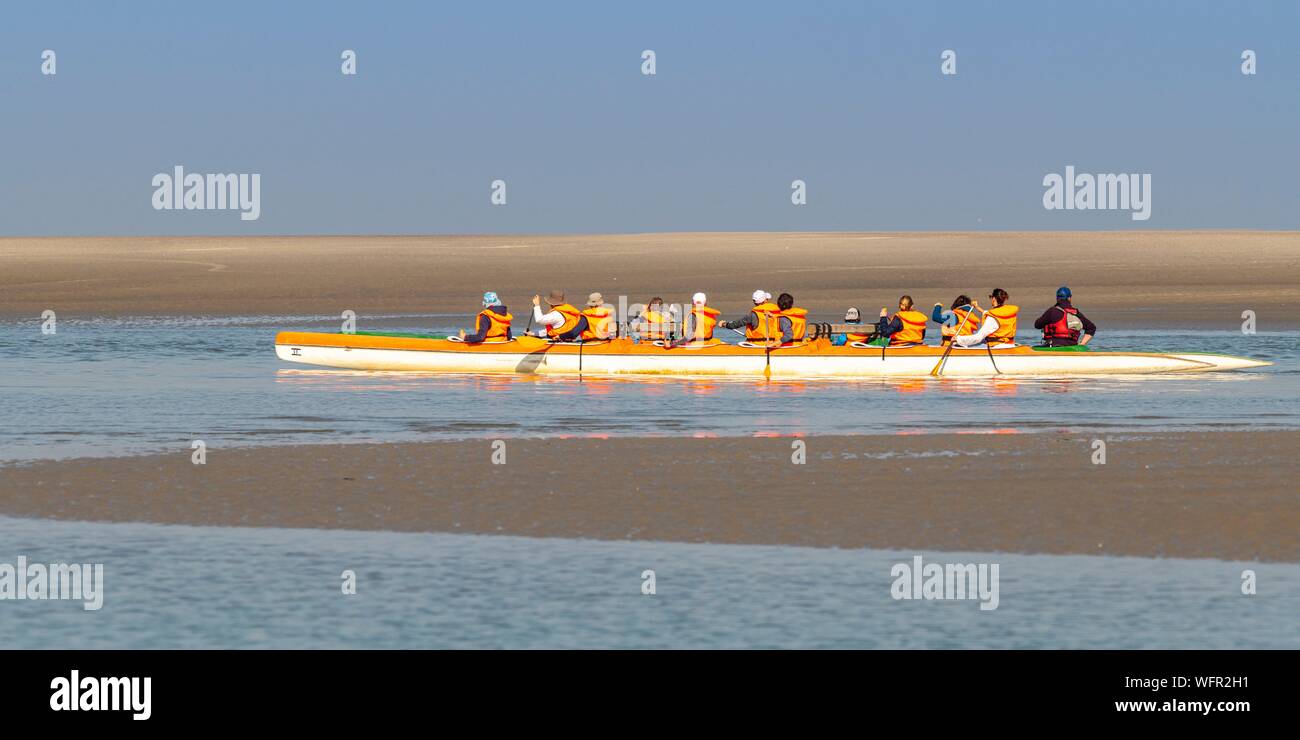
(563, 323)
(493, 324)
(600, 319)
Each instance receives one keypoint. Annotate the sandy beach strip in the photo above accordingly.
(1227, 495)
(1120, 279)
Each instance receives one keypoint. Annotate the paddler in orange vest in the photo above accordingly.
(905, 328)
(762, 324)
(655, 323)
(600, 319)
(792, 321)
(999, 326)
(563, 323)
(853, 317)
(493, 322)
(700, 322)
(960, 319)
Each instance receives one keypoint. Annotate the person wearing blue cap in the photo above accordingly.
(1063, 325)
(493, 323)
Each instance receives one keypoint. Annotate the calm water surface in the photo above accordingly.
(170, 586)
(124, 386)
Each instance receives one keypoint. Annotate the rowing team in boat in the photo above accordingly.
(782, 324)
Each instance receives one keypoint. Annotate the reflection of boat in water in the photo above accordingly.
(815, 359)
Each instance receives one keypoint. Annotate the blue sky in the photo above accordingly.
(549, 97)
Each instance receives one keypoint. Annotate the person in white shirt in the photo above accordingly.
(563, 323)
(999, 326)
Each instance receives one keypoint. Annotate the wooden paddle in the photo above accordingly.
(767, 350)
(938, 366)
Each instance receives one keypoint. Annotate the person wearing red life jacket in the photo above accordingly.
(1063, 325)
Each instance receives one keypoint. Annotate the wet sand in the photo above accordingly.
(1227, 495)
(1120, 279)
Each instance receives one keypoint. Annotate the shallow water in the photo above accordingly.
(188, 587)
(134, 385)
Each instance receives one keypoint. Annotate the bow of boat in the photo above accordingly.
(1221, 362)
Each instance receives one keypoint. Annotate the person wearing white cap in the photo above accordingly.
(701, 320)
(493, 323)
(762, 323)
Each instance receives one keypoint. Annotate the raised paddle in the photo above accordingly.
(938, 366)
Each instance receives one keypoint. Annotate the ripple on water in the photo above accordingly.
(130, 385)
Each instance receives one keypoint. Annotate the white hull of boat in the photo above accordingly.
(686, 362)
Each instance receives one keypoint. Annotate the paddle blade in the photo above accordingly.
(938, 366)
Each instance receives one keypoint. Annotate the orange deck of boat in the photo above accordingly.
(525, 345)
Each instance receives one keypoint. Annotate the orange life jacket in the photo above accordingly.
(769, 325)
(913, 331)
(498, 329)
(571, 316)
(967, 321)
(854, 336)
(1006, 331)
(798, 322)
(705, 319)
(600, 320)
(655, 325)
